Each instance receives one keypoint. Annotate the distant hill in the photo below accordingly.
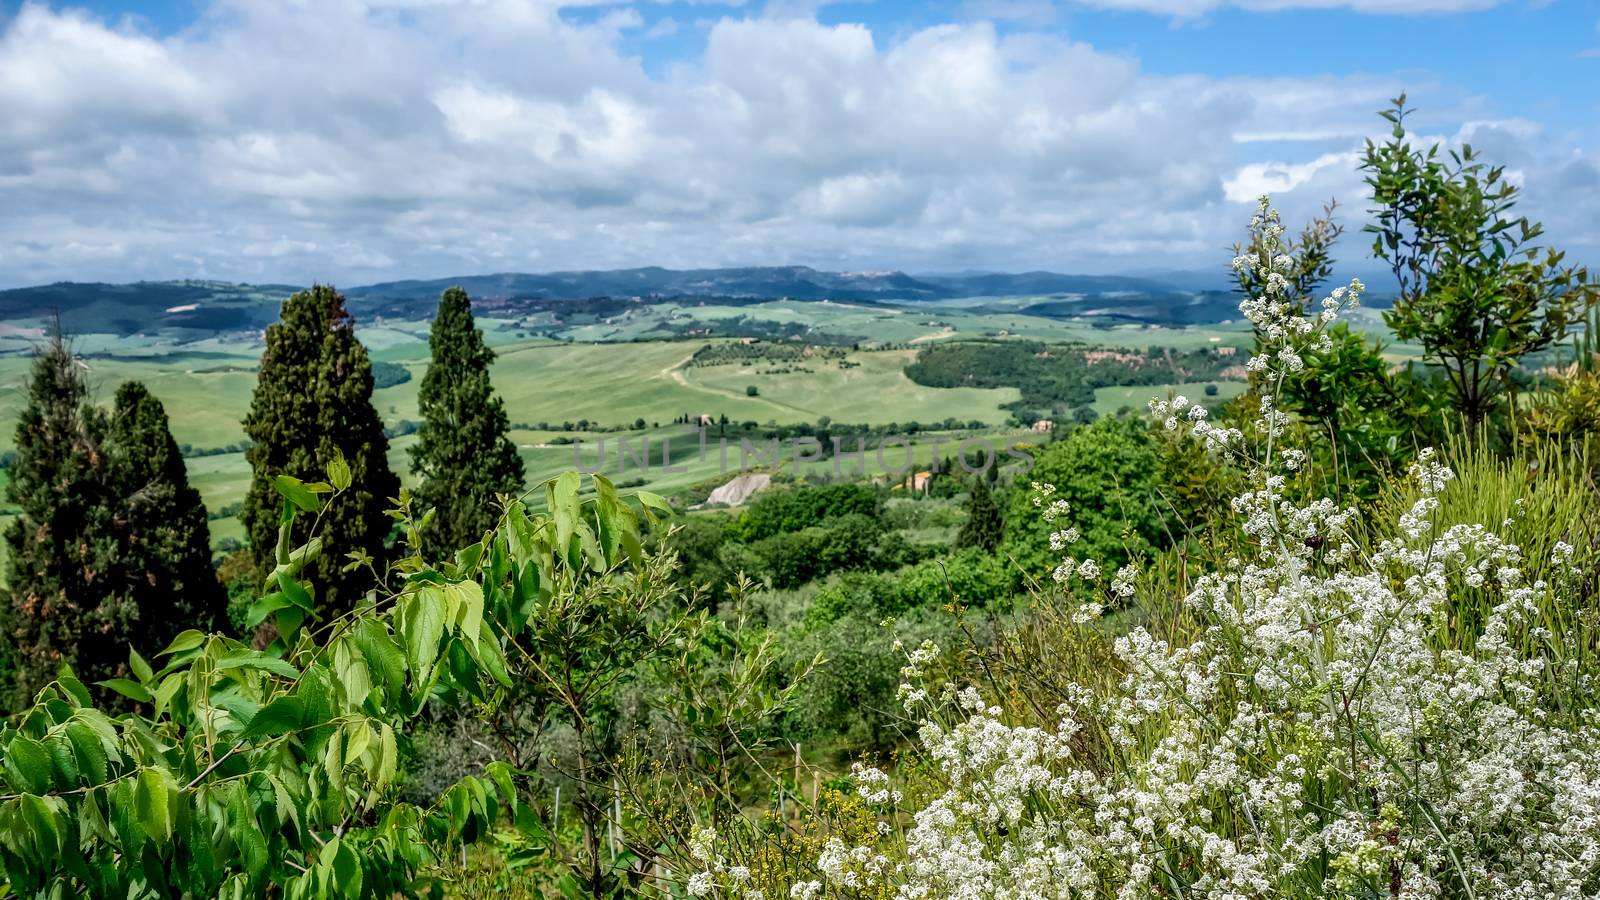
(769, 282)
(999, 284)
(192, 309)
(184, 309)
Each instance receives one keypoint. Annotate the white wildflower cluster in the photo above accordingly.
(912, 695)
(718, 878)
(1326, 733)
(1179, 411)
(872, 785)
(1317, 733)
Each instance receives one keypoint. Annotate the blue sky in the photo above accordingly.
(354, 140)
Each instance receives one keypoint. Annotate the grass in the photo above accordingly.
(206, 385)
(1108, 400)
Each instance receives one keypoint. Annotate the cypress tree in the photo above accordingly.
(313, 399)
(163, 540)
(60, 606)
(462, 458)
(984, 526)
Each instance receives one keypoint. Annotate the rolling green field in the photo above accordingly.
(619, 370)
(1108, 400)
(206, 388)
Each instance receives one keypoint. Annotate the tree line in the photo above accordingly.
(110, 548)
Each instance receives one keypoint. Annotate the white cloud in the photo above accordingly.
(1279, 178)
(355, 141)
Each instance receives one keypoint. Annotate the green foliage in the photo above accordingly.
(984, 526)
(249, 773)
(313, 403)
(778, 512)
(111, 547)
(462, 459)
(1475, 290)
(792, 558)
(388, 374)
(851, 696)
(971, 577)
(864, 594)
(1108, 472)
(1054, 378)
(163, 559)
(59, 550)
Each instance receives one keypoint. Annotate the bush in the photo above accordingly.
(1108, 473)
(790, 559)
(791, 510)
(970, 576)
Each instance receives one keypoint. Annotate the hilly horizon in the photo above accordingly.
(199, 306)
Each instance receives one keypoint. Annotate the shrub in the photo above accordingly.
(1108, 473)
(969, 576)
(791, 510)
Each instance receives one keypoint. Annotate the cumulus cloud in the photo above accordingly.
(357, 140)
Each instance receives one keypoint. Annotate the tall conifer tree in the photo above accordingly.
(984, 526)
(163, 540)
(313, 399)
(60, 604)
(462, 458)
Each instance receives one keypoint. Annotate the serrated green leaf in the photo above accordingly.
(255, 659)
(186, 640)
(654, 501)
(338, 471)
(383, 656)
(139, 666)
(258, 611)
(295, 491)
(422, 623)
(295, 593)
(42, 823)
(74, 688)
(284, 801)
(358, 737)
(388, 756)
(169, 688)
(28, 765)
(563, 502)
(62, 760)
(133, 690)
(153, 798)
(489, 655)
(350, 669)
(468, 598)
(90, 753)
(281, 716)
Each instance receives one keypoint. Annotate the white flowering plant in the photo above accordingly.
(1405, 716)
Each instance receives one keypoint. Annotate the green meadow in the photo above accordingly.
(206, 388)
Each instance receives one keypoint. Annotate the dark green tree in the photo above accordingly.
(984, 526)
(1108, 472)
(60, 603)
(1475, 289)
(313, 401)
(163, 566)
(463, 458)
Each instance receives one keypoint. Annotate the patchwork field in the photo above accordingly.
(206, 387)
(1108, 400)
